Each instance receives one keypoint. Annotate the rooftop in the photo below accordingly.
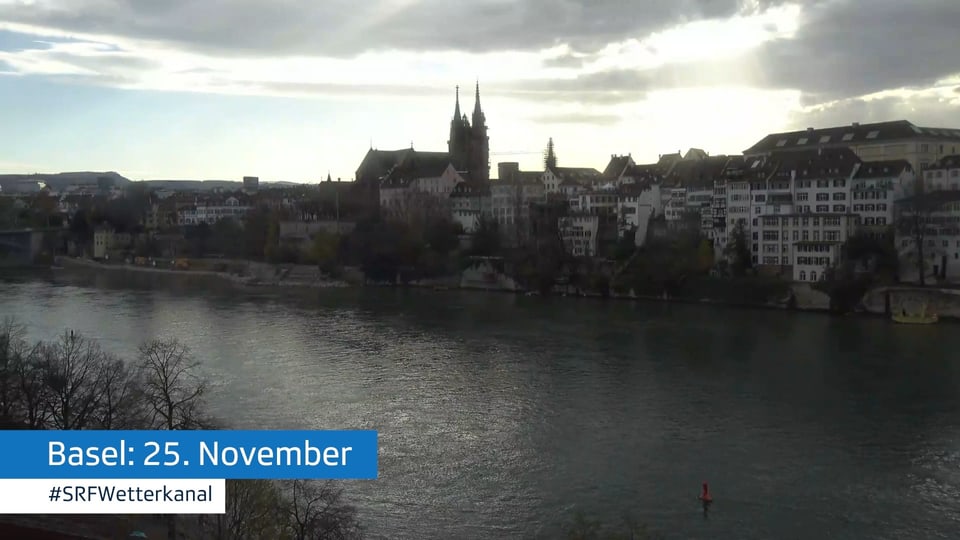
(847, 135)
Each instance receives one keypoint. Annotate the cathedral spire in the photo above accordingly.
(456, 111)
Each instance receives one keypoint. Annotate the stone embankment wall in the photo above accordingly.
(944, 302)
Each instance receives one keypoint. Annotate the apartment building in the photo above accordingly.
(883, 141)
(802, 245)
(876, 187)
(944, 175)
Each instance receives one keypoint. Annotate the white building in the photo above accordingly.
(803, 245)
(579, 232)
(876, 187)
(944, 175)
(210, 213)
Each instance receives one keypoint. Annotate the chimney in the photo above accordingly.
(809, 130)
(856, 124)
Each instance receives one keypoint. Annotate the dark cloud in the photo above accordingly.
(346, 27)
(578, 118)
(923, 111)
(847, 48)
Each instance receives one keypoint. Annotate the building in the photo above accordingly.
(884, 141)
(803, 245)
(510, 201)
(251, 184)
(876, 188)
(470, 203)
(469, 145)
(211, 212)
(579, 233)
(419, 185)
(944, 175)
(468, 149)
(933, 219)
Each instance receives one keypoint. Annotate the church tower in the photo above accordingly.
(458, 146)
(479, 143)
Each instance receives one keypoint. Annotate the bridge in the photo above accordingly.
(19, 247)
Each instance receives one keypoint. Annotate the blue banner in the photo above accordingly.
(286, 455)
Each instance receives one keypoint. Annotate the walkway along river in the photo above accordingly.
(501, 416)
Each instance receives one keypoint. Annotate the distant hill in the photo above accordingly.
(12, 182)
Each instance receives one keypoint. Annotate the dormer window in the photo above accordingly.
(873, 134)
(781, 142)
(848, 136)
(803, 140)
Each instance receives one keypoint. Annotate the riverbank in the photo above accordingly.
(263, 276)
(253, 274)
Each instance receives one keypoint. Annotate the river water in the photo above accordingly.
(502, 416)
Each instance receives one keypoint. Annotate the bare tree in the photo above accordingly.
(13, 348)
(172, 392)
(317, 511)
(72, 368)
(171, 389)
(913, 221)
(252, 512)
(119, 404)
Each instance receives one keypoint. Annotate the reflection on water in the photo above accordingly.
(500, 416)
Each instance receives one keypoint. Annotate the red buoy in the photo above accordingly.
(705, 496)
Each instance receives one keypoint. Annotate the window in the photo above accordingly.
(803, 140)
(803, 275)
(813, 276)
(873, 134)
(840, 208)
(823, 208)
(839, 196)
(847, 136)
(823, 196)
(803, 196)
(781, 142)
(771, 235)
(824, 139)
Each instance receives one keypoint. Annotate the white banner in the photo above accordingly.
(112, 496)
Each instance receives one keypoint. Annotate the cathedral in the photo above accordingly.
(468, 149)
(469, 145)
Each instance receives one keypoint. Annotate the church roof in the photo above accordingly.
(414, 165)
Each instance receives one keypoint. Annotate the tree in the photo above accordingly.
(486, 239)
(913, 221)
(705, 255)
(73, 370)
(172, 390)
(317, 511)
(324, 250)
(549, 157)
(737, 250)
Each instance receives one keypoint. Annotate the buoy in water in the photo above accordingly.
(705, 495)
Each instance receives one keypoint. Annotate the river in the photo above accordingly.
(502, 416)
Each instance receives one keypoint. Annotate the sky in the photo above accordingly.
(291, 90)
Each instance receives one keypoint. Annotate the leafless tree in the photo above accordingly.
(119, 404)
(252, 512)
(171, 389)
(13, 349)
(317, 511)
(914, 221)
(72, 368)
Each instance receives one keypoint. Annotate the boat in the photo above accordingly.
(922, 318)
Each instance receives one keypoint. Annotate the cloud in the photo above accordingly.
(578, 118)
(929, 109)
(844, 49)
(347, 27)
